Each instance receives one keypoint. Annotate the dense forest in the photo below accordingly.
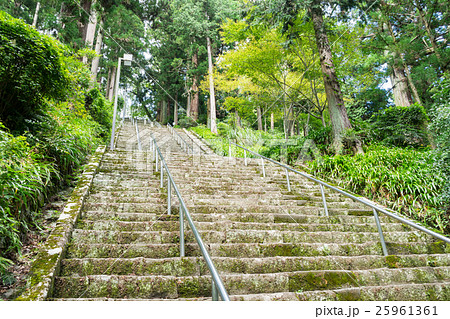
(355, 92)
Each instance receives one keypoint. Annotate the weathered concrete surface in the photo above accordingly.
(267, 243)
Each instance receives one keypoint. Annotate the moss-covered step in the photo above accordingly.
(114, 286)
(439, 291)
(106, 198)
(131, 217)
(195, 266)
(123, 237)
(113, 225)
(435, 291)
(287, 217)
(129, 250)
(306, 227)
(126, 207)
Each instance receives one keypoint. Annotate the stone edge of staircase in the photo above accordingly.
(201, 139)
(47, 262)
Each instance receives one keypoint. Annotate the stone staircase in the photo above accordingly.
(266, 242)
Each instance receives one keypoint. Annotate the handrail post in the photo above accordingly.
(245, 157)
(137, 137)
(181, 231)
(229, 149)
(162, 174)
(324, 200)
(263, 169)
(380, 232)
(169, 195)
(287, 178)
(214, 292)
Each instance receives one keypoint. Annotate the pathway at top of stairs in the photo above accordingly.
(266, 242)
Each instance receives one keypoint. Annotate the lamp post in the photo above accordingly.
(127, 58)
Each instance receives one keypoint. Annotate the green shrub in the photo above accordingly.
(65, 136)
(403, 179)
(31, 70)
(322, 137)
(186, 122)
(401, 126)
(100, 110)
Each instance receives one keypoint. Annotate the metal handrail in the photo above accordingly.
(322, 184)
(217, 285)
(157, 124)
(180, 139)
(194, 142)
(138, 137)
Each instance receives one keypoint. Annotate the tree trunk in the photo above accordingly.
(195, 98)
(98, 51)
(238, 119)
(90, 29)
(175, 110)
(411, 84)
(164, 112)
(36, 14)
(108, 80)
(169, 112)
(82, 26)
(306, 127)
(338, 114)
(159, 111)
(400, 90)
(399, 60)
(188, 107)
(211, 89)
(208, 113)
(112, 82)
(272, 122)
(258, 114)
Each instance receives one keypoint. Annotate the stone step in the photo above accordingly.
(157, 225)
(224, 209)
(244, 250)
(113, 286)
(241, 236)
(399, 292)
(196, 266)
(235, 217)
(435, 291)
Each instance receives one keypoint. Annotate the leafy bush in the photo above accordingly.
(65, 136)
(186, 122)
(321, 137)
(31, 70)
(56, 121)
(401, 126)
(403, 179)
(100, 110)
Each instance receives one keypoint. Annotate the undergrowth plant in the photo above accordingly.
(25, 178)
(53, 121)
(403, 179)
